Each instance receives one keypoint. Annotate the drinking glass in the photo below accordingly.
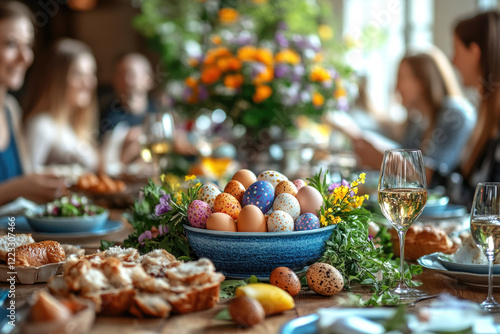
(485, 230)
(402, 195)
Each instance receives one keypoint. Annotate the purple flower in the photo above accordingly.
(145, 235)
(343, 104)
(335, 185)
(281, 40)
(164, 205)
(298, 72)
(370, 237)
(164, 229)
(282, 26)
(202, 93)
(281, 70)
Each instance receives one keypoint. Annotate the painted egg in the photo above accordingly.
(272, 177)
(208, 193)
(198, 213)
(285, 187)
(260, 194)
(219, 221)
(236, 189)
(280, 221)
(310, 200)
(289, 204)
(245, 177)
(285, 278)
(299, 183)
(324, 279)
(251, 219)
(226, 203)
(307, 221)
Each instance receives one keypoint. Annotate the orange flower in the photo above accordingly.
(247, 53)
(193, 98)
(191, 82)
(233, 80)
(210, 75)
(259, 2)
(262, 93)
(193, 62)
(318, 58)
(340, 92)
(265, 76)
(319, 74)
(234, 64)
(221, 52)
(216, 39)
(287, 56)
(317, 99)
(265, 56)
(228, 15)
(223, 64)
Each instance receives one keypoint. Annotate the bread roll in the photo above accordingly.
(16, 239)
(48, 308)
(39, 254)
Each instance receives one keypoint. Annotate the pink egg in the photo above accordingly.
(198, 213)
(299, 183)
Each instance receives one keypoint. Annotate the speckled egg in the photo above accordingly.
(245, 177)
(272, 177)
(285, 278)
(227, 204)
(235, 189)
(307, 221)
(324, 279)
(285, 187)
(299, 183)
(260, 194)
(208, 193)
(280, 221)
(288, 203)
(198, 213)
(310, 200)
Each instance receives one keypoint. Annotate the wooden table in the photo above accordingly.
(307, 302)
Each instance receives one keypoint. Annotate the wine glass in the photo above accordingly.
(157, 140)
(485, 230)
(402, 195)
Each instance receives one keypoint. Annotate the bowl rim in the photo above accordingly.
(256, 234)
(30, 216)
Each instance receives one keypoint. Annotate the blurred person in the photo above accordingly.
(16, 55)
(61, 108)
(440, 119)
(477, 56)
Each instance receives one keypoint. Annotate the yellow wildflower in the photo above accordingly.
(325, 32)
(197, 185)
(162, 178)
(178, 198)
(323, 221)
(189, 178)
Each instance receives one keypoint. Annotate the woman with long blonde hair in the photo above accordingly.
(61, 108)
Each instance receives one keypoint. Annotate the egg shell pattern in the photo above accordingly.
(285, 278)
(272, 177)
(288, 203)
(324, 279)
(208, 193)
(227, 204)
(260, 194)
(299, 183)
(235, 189)
(307, 221)
(285, 187)
(280, 221)
(198, 212)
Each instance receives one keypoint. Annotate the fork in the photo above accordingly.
(419, 299)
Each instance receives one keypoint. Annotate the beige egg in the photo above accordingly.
(280, 221)
(324, 279)
(245, 177)
(251, 219)
(272, 177)
(219, 221)
(289, 204)
(310, 200)
(285, 187)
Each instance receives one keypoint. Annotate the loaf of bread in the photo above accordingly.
(15, 239)
(39, 253)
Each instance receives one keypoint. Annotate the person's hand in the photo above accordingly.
(39, 188)
(131, 149)
(367, 154)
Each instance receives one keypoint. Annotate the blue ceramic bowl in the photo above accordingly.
(243, 254)
(67, 224)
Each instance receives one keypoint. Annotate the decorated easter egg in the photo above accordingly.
(299, 183)
(272, 177)
(245, 177)
(236, 189)
(280, 221)
(285, 187)
(288, 203)
(219, 221)
(227, 204)
(260, 194)
(208, 193)
(310, 200)
(306, 221)
(251, 219)
(198, 213)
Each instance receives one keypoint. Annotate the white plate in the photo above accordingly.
(478, 280)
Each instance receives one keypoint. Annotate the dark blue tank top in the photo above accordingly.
(10, 164)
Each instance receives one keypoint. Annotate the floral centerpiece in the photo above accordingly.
(263, 63)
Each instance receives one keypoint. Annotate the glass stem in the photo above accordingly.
(490, 279)
(401, 235)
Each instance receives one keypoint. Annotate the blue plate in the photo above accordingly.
(436, 206)
(67, 224)
(468, 268)
(449, 211)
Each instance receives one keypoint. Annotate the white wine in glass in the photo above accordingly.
(157, 140)
(402, 195)
(485, 230)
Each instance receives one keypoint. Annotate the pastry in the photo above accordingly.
(16, 240)
(39, 253)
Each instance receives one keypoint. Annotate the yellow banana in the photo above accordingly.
(273, 299)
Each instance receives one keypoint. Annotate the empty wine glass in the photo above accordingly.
(485, 230)
(402, 195)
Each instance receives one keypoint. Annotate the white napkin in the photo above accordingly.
(17, 206)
